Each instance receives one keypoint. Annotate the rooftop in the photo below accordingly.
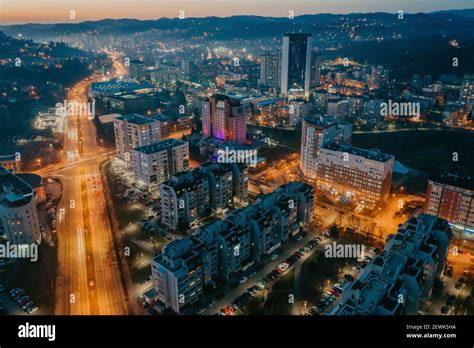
(320, 121)
(8, 158)
(159, 146)
(14, 191)
(130, 96)
(371, 154)
(114, 87)
(457, 178)
(34, 180)
(136, 119)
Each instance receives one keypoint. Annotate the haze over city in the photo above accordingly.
(52, 11)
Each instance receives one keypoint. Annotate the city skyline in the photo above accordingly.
(49, 11)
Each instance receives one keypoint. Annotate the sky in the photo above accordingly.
(54, 11)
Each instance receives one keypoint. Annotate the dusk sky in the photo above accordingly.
(50, 11)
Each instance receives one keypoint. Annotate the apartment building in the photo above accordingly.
(133, 131)
(217, 251)
(18, 214)
(451, 197)
(157, 162)
(184, 199)
(365, 174)
(401, 278)
(225, 118)
(177, 274)
(213, 188)
(318, 131)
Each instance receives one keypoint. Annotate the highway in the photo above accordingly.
(88, 274)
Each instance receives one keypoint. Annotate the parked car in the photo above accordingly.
(451, 300)
(243, 279)
(274, 257)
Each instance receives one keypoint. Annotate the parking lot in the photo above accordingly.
(16, 302)
(254, 283)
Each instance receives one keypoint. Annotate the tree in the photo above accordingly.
(334, 230)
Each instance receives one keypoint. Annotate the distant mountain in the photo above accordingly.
(461, 13)
(323, 26)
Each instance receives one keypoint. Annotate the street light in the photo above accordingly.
(39, 162)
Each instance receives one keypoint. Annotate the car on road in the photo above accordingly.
(298, 238)
(212, 304)
(243, 279)
(444, 310)
(273, 257)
